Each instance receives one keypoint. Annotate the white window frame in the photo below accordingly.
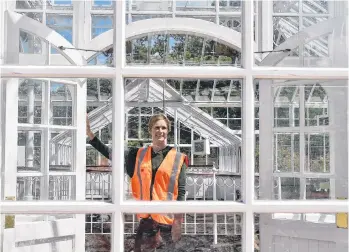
(119, 206)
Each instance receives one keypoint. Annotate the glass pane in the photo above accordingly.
(185, 134)
(62, 24)
(291, 6)
(58, 232)
(176, 44)
(195, 5)
(221, 90)
(320, 7)
(132, 127)
(316, 106)
(284, 27)
(318, 188)
(317, 152)
(301, 231)
(141, 5)
(303, 35)
(286, 188)
(286, 102)
(231, 22)
(59, 4)
(309, 138)
(62, 97)
(105, 88)
(28, 188)
(189, 89)
(219, 112)
(62, 187)
(61, 151)
(286, 152)
(231, 6)
(216, 145)
(30, 151)
(23, 4)
(196, 231)
(101, 24)
(194, 50)
(139, 53)
(205, 90)
(30, 101)
(158, 48)
(102, 4)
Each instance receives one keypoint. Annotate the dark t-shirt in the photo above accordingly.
(156, 160)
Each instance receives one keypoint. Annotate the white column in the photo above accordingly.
(80, 24)
(248, 124)
(118, 126)
(10, 138)
(2, 29)
(265, 156)
(79, 154)
(11, 41)
(338, 104)
(265, 140)
(29, 148)
(266, 26)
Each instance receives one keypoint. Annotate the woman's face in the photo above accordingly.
(159, 132)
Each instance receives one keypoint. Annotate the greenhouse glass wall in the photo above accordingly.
(256, 93)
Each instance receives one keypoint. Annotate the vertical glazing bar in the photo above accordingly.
(248, 124)
(215, 226)
(118, 126)
(302, 143)
(79, 155)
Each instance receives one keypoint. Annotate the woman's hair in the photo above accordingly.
(156, 118)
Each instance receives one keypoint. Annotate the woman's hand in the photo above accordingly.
(177, 228)
(88, 129)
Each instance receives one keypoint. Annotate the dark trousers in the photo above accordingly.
(152, 236)
(155, 237)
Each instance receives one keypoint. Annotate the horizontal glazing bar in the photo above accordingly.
(57, 72)
(27, 126)
(282, 73)
(292, 206)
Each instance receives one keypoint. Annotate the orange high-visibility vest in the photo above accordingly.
(165, 185)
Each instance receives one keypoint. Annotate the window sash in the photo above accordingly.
(118, 73)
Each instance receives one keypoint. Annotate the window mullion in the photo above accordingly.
(118, 114)
(248, 135)
(45, 119)
(302, 142)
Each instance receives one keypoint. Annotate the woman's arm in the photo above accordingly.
(95, 142)
(101, 147)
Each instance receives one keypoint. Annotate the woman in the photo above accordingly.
(157, 172)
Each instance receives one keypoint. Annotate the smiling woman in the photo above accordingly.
(157, 172)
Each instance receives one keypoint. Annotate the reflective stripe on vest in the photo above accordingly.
(175, 168)
(140, 160)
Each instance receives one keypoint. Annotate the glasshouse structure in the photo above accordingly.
(57, 64)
